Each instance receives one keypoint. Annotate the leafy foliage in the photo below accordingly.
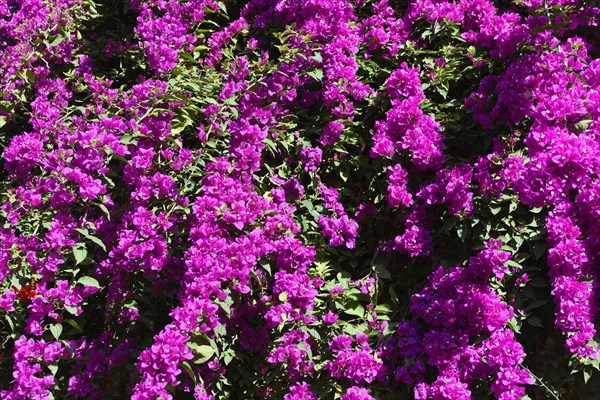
(299, 199)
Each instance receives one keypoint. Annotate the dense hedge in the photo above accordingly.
(299, 199)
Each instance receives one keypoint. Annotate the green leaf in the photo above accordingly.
(97, 241)
(539, 249)
(227, 358)
(88, 281)
(203, 352)
(496, 210)
(56, 330)
(583, 125)
(220, 330)
(11, 324)
(127, 139)
(383, 309)
(84, 232)
(225, 307)
(104, 210)
(92, 238)
(177, 128)
(442, 91)
(382, 271)
(72, 310)
(266, 266)
(30, 75)
(74, 324)
(188, 368)
(53, 368)
(528, 292)
(316, 74)
(80, 252)
(55, 40)
(514, 324)
(355, 308)
(536, 304)
(535, 321)
(538, 282)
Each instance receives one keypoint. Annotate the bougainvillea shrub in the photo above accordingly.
(299, 199)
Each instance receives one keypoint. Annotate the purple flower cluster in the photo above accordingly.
(356, 363)
(340, 229)
(451, 187)
(406, 127)
(398, 195)
(455, 309)
(35, 381)
(164, 29)
(555, 89)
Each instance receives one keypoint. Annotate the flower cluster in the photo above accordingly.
(451, 312)
(561, 172)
